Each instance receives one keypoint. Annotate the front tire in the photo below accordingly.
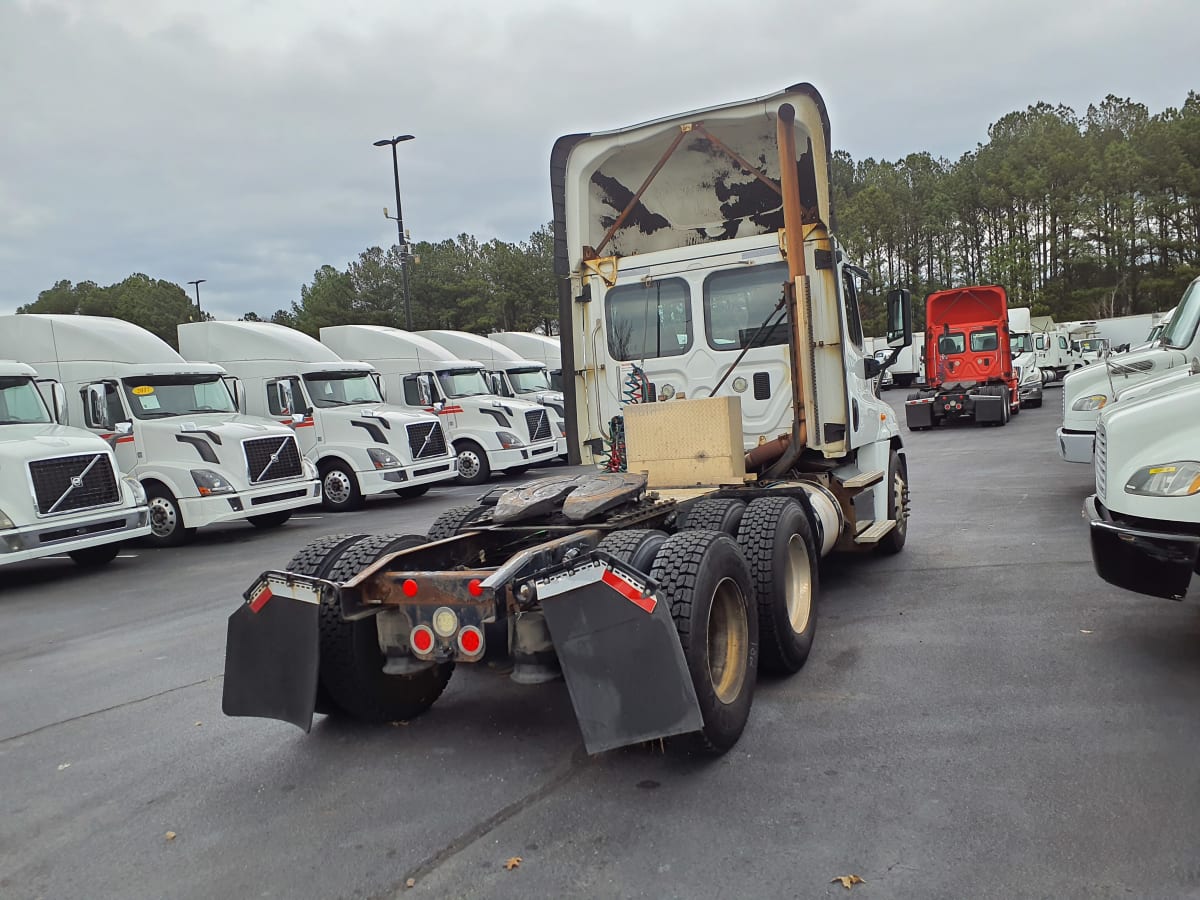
(339, 487)
(94, 557)
(704, 577)
(473, 466)
(776, 537)
(897, 507)
(270, 520)
(166, 519)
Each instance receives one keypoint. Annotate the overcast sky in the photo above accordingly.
(231, 139)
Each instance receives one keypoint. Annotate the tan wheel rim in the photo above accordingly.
(728, 641)
(799, 584)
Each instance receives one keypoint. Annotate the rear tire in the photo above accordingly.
(636, 546)
(718, 514)
(454, 520)
(897, 507)
(411, 493)
(270, 520)
(351, 673)
(473, 465)
(776, 537)
(704, 577)
(95, 557)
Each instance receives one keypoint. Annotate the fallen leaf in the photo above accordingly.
(198, 724)
(1084, 631)
(411, 883)
(170, 835)
(847, 881)
(398, 723)
(514, 862)
(64, 766)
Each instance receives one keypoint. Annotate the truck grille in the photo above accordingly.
(426, 439)
(70, 483)
(273, 458)
(539, 425)
(1101, 461)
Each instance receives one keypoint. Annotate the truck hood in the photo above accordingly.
(230, 426)
(23, 442)
(1127, 369)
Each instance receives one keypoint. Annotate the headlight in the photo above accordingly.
(382, 459)
(209, 482)
(1173, 479)
(5, 521)
(1033, 374)
(508, 440)
(1095, 401)
(135, 486)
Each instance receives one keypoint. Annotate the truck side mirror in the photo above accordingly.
(899, 318)
(871, 367)
(97, 406)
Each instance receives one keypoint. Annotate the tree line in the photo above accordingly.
(1077, 216)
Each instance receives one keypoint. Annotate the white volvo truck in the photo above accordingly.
(1145, 514)
(530, 345)
(60, 489)
(359, 444)
(488, 433)
(511, 375)
(174, 423)
(1089, 390)
(1025, 363)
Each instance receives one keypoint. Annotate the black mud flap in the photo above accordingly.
(272, 651)
(918, 415)
(988, 408)
(620, 655)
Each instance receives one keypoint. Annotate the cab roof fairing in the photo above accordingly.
(700, 194)
(983, 304)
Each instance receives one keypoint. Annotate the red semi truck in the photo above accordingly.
(969, 367)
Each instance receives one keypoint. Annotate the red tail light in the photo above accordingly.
(409, 587)
(421, 639)
(470, 641)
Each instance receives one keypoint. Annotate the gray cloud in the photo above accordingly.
(233, 142)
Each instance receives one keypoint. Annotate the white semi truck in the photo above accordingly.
(1145, 514)
(174, 424)
(1025, 363)
(360, 445)
(510, 374)
(530, 345)
(661, 589)
(487, 433)
(61, 492)
(1089, 390)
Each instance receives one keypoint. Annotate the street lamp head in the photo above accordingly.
(393, 141)
(198, 281)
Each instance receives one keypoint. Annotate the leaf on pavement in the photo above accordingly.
(513, 862)
(848, 881)
(411, 883)
(170, 835)
(64, 766)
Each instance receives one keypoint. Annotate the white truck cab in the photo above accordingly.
(173, 423)
(1089, 390)
(60, 489)
(488, 433)
(1145, 514)
(541, 347)
(509, 374)
(1025, 364)
(359, 444)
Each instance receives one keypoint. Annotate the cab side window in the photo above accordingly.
(416, 390)
(284, 397)
(854, 329)
(113, 406)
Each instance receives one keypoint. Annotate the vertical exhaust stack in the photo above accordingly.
(793, 229)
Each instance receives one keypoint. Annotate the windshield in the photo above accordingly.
(162, 396)
(458, 383)
(1093, 345)
(20, 402)
(341, 388)
(1020, 343)
(1178, 335)
(528, 381)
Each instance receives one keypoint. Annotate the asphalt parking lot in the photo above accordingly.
(981, 716)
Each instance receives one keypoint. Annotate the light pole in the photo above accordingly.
(197, 283)
(400, 223)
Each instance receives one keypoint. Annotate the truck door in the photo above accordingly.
(861, 402)
(104, 412)
(287, 402)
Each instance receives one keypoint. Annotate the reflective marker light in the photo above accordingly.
(409, 587)
(475, 587)
(739, 384)
(470, 640)
(421, 639)
(445, 622)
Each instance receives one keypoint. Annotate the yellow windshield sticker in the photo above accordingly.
(143, 390)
